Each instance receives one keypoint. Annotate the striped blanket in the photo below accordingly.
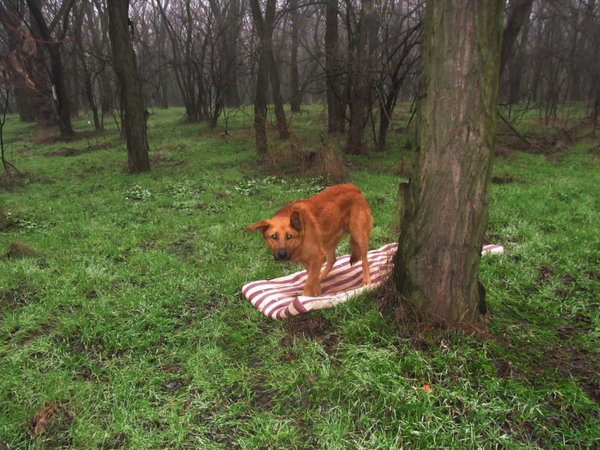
(282, 297)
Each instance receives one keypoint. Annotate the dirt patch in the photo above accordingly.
(163, 161)
(50, 135)
(308, 325)
(20, 296)
(15, 179)
(561, 356)
(262, 397)
(504, 179)
(172, 148)
(544, 273)
(117, 441)
(174, 385)
(182, 248)
(552, 143)
(314, 327)
(66, 151)
(8, 222)
(292, 160)
(19, 250)
(51, 425)
(580, 365)
(101, 146)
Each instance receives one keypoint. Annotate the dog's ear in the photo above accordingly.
(261, 226)
(296, 221)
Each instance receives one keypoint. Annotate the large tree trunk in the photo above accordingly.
(445, 208)
(131, 87)
(336, 119)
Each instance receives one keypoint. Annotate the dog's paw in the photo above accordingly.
(311, 292)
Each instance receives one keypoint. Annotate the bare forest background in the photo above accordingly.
(359, 57)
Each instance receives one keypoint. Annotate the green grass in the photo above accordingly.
(130, 317)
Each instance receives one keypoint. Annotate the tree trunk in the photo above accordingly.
(296, 94)
(266, 68)
(232, 34)
(282, 126)
(131, 87)
(361, 87)
(28, 77)
(336, 119)
(520, 10)
(60, 95)
(445, 207)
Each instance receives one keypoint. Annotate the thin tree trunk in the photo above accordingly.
(296, 94)
(445, 208)
(232, 96)
(262, 75)
(519, 16)
(282, 126)
(361, 86)
(336, 120)
(131, 87)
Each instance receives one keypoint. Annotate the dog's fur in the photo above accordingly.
(307, 230)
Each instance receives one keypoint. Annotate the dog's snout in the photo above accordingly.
(282, 253)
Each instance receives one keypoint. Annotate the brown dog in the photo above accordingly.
(308, 230)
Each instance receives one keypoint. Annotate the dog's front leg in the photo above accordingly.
(312, 287)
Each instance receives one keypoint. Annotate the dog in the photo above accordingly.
(307, 230)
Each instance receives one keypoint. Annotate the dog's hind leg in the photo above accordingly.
(361, 225)
(360, 248)
(330, 261)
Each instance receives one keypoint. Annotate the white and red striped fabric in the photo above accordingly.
(282, 297)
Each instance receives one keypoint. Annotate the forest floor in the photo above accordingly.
(122, 323)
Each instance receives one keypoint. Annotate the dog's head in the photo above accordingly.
(283, 235)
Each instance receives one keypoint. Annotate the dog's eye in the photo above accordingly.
(288, 236)
(274, 236)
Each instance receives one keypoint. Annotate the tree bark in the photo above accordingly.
(266, 69)
(336, 119)
(131, 87)
(520, 11)
(282, 126)
(445, 207)
(296, 94)
(361, 86)
(60, 95)
(262, 75)
(232, 36)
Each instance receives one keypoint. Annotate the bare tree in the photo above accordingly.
(296, 93)
(132, 98)
(519, 12)
(360, 68)
(4, 100)
(267, 69)
(398, 57)
(188, 56)
(60, 95)
(262, 72)
(30, 81)
(335, 80)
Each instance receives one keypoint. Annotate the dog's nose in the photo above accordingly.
(281, 253)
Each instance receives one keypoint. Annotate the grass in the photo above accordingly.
(126, 328)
